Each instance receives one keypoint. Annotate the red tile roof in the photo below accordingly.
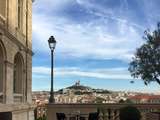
(149, 97)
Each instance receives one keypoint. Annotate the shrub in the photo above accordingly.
(130, 113)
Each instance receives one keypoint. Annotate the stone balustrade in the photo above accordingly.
(106, 111)
(40, 111)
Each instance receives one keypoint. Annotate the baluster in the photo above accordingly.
(86, 117)
(68, 116)
(112, 114)
(109, 114)
(143, 115)
(117, 115)
(100, 116)
(105, 115)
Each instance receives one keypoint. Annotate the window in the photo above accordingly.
(2, 56)
(18, 74)
(1, 70)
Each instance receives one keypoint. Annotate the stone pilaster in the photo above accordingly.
(9, 83)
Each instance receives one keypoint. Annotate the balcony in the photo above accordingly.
(85, 111)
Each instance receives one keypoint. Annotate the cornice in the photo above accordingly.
(14, 40)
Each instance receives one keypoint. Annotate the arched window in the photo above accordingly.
(19, 13)
(18, 74)
(2, 71)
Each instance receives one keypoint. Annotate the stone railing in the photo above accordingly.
(40, 112)
(109, 114)
(105, 111)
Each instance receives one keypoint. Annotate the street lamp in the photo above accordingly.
(52, 45)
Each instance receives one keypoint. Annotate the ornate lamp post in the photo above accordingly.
(52, 45)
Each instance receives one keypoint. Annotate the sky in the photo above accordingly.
(96, 40)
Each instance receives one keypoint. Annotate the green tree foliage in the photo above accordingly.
(121, 101)
(127, 101)
(99, 100)
(146, 62)
(42, 118)
(129, 113)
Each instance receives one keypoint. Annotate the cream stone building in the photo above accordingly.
(16, 60)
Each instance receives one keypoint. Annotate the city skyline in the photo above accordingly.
(95, 42)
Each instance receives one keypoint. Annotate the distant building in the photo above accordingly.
(78, 93)
(145, 98)
(16, 60)
(77, 83)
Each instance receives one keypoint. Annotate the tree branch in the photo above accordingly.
(157, 80)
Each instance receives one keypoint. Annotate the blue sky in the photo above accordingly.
(96, 40)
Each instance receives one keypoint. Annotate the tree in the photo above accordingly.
(129, 113)
(99, 100)
(121, 101)
(128, 101)
(146, 62)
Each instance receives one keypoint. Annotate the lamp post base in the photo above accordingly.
(51, 98)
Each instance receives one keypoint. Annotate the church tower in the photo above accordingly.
(16, 60)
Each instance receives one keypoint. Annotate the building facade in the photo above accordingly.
(152, 99)
(16, 60)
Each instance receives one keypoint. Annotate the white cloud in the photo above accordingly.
(45, 6)
(108, 12)
(41, 75)
(85, 40)
(93, 38)
(113, 73)
(112, 36)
